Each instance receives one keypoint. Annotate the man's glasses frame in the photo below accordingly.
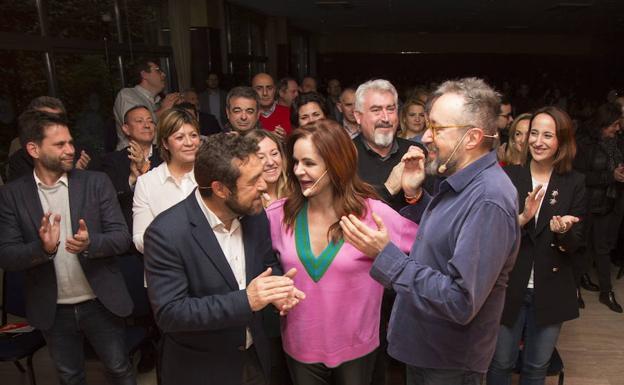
(434, 129)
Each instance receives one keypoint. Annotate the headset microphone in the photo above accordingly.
(308, 191)
(443, 167)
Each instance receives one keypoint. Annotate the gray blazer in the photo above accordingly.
(92, 198)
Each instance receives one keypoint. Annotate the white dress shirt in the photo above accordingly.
(531, 283)
(155, 192)
(231, 242)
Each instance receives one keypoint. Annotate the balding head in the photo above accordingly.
(308, 84)
(264, 85)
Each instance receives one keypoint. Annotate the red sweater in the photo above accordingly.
(279, 117)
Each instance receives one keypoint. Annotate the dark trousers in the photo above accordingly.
(599, 245)
(355, 372)
(383, 361)
(279, 369)
(105, 333)
(427, 376)
(618, 229)
(252, 370)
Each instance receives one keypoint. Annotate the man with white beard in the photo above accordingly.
(379, 163)
(379, 150)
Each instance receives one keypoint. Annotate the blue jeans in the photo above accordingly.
(539, 343)
(105, 333)
(427, 376)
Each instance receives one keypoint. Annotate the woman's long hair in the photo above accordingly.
(512, 155)
(340, 156)
(259, 135)
(403, 117)
(565, 137)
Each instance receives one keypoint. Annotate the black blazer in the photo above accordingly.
(20, 164)
(92, 198)
(195, 297)
(593, 161)
(208, 124)
(551, 254)
(116, 165)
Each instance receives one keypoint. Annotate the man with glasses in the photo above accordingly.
(451, 288)
(504, 119)
(150, 83)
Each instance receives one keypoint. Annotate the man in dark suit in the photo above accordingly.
(208, 262)
(124, 166)
(212, 100)
(74, 288)
(208, 124)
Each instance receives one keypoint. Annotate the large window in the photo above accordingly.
(146, 21)
(86, 84)
(22, 77)
(83, 19)
(19, 16)
(246, 43)
(83, 57)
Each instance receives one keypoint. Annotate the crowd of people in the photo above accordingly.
(291, 237)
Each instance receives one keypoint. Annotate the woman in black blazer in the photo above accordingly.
(541, 292)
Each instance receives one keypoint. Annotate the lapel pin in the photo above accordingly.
(553, 196)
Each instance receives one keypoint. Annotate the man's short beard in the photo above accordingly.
(433, 164)
(232, 203)
(55, 164)
(383, 140)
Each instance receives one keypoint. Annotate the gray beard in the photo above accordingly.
(383, 140)
(431, 167)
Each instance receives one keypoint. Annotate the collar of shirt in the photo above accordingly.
(393, 150)
(213, 220)
(268, 113)
(352, 129)
(463, 177)
(63, 180)
(147, 94)
(164, 174)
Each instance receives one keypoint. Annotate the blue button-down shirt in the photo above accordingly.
(451, 288)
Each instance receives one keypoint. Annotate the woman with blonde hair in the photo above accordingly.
(169, 183)
(412, 120)
(271, 152)
(516, 148)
